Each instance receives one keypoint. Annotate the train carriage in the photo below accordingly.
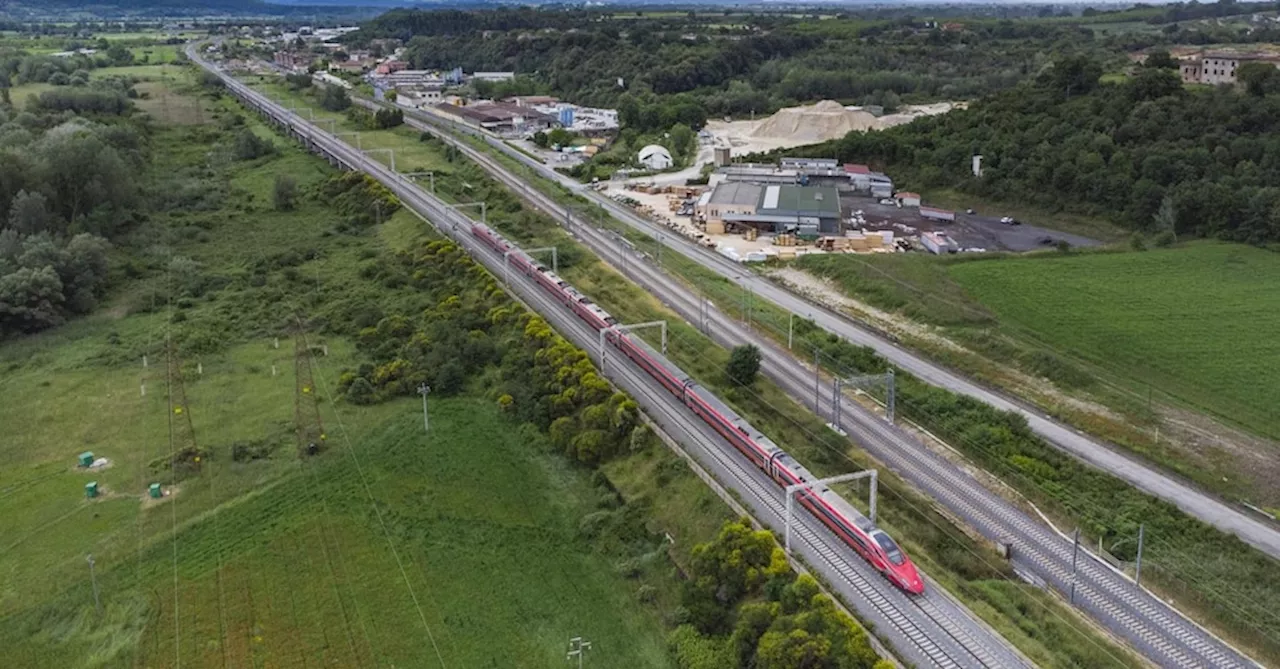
(849, 525)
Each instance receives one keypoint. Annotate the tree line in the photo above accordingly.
(758, 64)
(68, 185)
(1145, 153)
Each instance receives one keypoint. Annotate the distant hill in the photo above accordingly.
(149, 8)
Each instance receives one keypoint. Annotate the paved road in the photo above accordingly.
(929, 630)
(1153, 627)
(1193, 501)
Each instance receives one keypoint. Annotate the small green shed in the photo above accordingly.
(91, 489)
(86, 459)
(155, 491)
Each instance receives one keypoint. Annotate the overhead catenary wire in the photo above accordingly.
(824, 441)
(1093, 512)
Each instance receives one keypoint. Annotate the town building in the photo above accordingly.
(351, 66)
(419, 96)
(1219, 67)
(389, 66)
(285, 59)
(807, 211)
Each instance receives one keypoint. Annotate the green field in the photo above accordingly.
(1197, 322)
(343, 559)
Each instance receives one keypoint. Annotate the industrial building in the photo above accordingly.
(807, 211)
(863, 179)
(811, 172)
(655, 157)
(808, 163)
(398, 78)
(501, 117)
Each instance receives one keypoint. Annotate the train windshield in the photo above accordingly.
(891, 549)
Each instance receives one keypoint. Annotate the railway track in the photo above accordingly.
(1155, 629)
(927, 631)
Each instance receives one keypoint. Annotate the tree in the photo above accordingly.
(1075, 75)
(29, 213)
(744, 364)
(1160, 59)
(30, 300)
(82, 172)
(559, 137)
(1166, 219)
(335, 98)
(285, 193)
(540, 139)
(119, 55)
(247, 145)
(1258, 78)
(1152, 84)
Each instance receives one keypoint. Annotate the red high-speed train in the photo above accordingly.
(872, 543)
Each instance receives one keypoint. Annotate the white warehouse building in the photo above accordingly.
(655, 157)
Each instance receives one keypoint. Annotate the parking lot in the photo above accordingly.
(970, 231)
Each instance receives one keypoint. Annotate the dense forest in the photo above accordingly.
(69, 184)
(736, 65)
(1147, 153)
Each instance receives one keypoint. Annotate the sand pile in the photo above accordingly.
(910, 113)
(815, 123)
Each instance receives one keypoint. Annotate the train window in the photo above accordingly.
(891, 549)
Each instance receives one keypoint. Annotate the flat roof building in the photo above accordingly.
(501, 117)
(772, 208)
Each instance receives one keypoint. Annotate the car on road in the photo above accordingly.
(1008, 220)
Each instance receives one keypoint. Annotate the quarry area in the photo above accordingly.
(811, 124)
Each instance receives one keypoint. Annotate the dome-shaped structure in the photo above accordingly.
(655, 157)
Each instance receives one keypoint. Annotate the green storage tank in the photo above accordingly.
(155, 491)
(91, 489)
(86, 458)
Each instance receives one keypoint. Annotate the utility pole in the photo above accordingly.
(1137, 573)
(308, 427)
(423, 390)
(1075, 553)
(817, 378)
(97, 603)
(577, 645)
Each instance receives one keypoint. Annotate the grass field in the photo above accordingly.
(1193, 321)
(344, 559)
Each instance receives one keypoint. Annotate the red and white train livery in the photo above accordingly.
(856, 530)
